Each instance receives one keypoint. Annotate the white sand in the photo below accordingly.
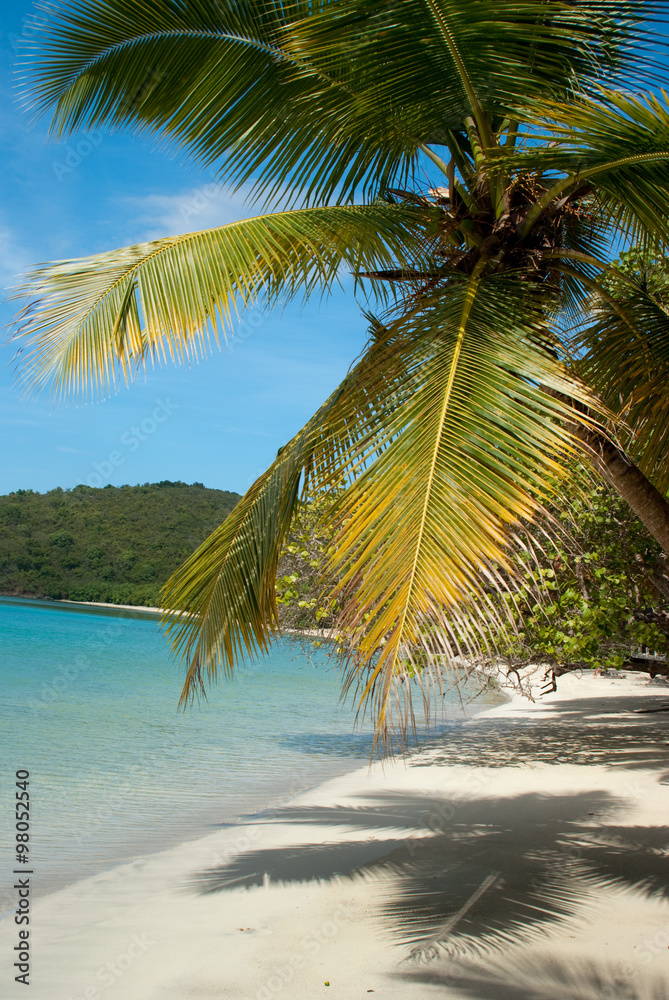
(117, 607)
(542, 860)
(315, 633)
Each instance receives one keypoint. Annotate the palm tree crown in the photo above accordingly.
(546, 147)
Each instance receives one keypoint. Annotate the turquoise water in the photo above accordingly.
(89, 707)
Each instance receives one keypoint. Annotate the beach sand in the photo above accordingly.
(525, 858)
(312, 633)
(116, 607)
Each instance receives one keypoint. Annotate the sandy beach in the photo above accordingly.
(312, 633)
(526, 858)
(117, 607)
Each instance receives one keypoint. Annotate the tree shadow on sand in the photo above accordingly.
(468, 878)
(462, 884)
(542, 977)
(606, 731)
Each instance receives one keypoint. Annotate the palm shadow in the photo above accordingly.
(635, 741)
(466, 878)
(582, 734)
(541, 977)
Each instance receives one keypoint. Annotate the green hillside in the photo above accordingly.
(117, 544)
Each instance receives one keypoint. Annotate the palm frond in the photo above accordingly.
(463, 447)
(225, 592)
(624, 352)
(99, 317)
(615, 147)
(323, 98)
(224, 595)
(447, 443)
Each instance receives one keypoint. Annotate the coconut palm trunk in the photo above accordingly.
(649, 505)
(473, 165)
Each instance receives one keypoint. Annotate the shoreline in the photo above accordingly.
(315, 633)
(120, 607)
(327, 888)
(327, 635)
(56, 602)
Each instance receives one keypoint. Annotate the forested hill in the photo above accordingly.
(116, 544)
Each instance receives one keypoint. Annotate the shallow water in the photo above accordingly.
(89, 707)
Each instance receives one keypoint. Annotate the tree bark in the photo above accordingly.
(646, 501)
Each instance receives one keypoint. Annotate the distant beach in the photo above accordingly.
(121, 607)
(316, 633)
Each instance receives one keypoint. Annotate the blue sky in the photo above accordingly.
(219, 423)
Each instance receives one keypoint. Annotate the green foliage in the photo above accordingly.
(647, 270)
(300, 595)
(581, 591)
(622, 345)
(117, 544)
(290, 253)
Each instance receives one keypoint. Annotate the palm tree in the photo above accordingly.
(543, 152)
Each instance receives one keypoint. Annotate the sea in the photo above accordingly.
(89, 709)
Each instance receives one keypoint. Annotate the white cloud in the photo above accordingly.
(202, 207)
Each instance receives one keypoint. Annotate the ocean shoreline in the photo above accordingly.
(316, 633)
(64, 666)
(56, 603)
(267, 909)
(106, 604)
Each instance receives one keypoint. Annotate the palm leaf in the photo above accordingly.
(463, 447)
(225, 590)
(98, 317)
(224, 594)
(322, 98)
(448, 443)
(624, 354)
(617, 147)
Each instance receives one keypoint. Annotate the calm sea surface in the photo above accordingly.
(89, 707)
